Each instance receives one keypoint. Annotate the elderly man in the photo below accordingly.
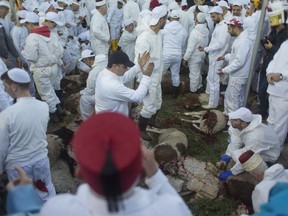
(239, 61)
(110, 93)
(111, 167)
(150, 40)
(23, 134)
(99, 30)
(249, 133)
(218, 46)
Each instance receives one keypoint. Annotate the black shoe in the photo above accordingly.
(152, 120)
(54, 117)
(175, 91)
(142, 124)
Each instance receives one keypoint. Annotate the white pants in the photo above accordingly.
(115, 31)
(278, 116)
(45, 79)
(40, 174)
(195, 75)
(153, 100)
(234, 95)
(213, 82)
(173, 62)
(87, 105)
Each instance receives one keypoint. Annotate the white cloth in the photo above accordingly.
(45, 55)
(23, 133)
(19, 35)
(5, 99)
(257, 137)
(199, 36)
(131, 10)
(151, 42)
(187, 20)
(218, 46)
(112, 95)
(174, 45)
(272, 175)
(159, 199)
(278, 94)
(99, 34)
(237, 69)
(127, 43)
(115, 18)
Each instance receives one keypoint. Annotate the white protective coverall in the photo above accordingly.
(112, 95)
(87, 99)
(44, 54)
(217, 47)
(257, 137)
(278, 94)
(127, 43)
(5, 99)
(151, 42)
(159, 199)
(199, 36)
(23, 143)
(131, 10)
(174, 45)
(99, 34)
(237, 69)
(272, 175)
(115, 18)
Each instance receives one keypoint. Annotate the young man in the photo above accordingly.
(23, 129)
(110, 93)
(218, 46)
(249, 133)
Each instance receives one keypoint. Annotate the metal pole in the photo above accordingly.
(255, 49)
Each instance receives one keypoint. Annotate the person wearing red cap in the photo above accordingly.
(248, 133)
(23, 129)
(111, 162)
(239, 61)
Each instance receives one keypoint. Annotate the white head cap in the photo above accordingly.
(22, 14)
(242, 113)
(4, 4)
(237, 3)
(54, 17)
(126, 22)
(86, 54)
(157, 14)
(44, 7)
(216, 9)
(201, 17)
(223, 4)
(174, 14)
(100, 3)
(18, 75)
(31, 17)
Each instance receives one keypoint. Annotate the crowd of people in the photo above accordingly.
(126, 47)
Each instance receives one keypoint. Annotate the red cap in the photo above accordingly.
(154, 4)
(111, 133)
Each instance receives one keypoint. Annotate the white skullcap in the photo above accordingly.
(100, 58)
(22, 13)
(44, 7)
(54, 17)
(100, 3)
(86, 54)
(216, 9)
(175, 14)
(237, 3)
(223, 4)
(18, 75)
(201, 17)
(30, 5)
(157, 14)
(4, 4)
(242, 113)
(56, 6)
(126, 22)
(75, 2)
(31, 17)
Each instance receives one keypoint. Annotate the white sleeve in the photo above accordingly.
(192, 42)
(4, 140)
(30, 51)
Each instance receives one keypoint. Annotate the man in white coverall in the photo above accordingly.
(249, 133)
(150, 40)
(239, 61)
(217, 47)
(23, 129)
(99, 30)
(199, 36)
(42, 50)
(110, 92)
(87, 99)
(174, 45)
(277, 78)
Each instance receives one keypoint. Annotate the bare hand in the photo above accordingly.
(220, 72)
(221, 58)
(201, 49)
(149, 69)
(184, 63)
(150, 165)
(268, 44)
(273, 77)
(143, 59)
(22, 179)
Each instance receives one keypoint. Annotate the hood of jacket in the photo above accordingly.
(257, 120)
(43, 30)
(174, 27)
(276, 172)
(202, 28)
